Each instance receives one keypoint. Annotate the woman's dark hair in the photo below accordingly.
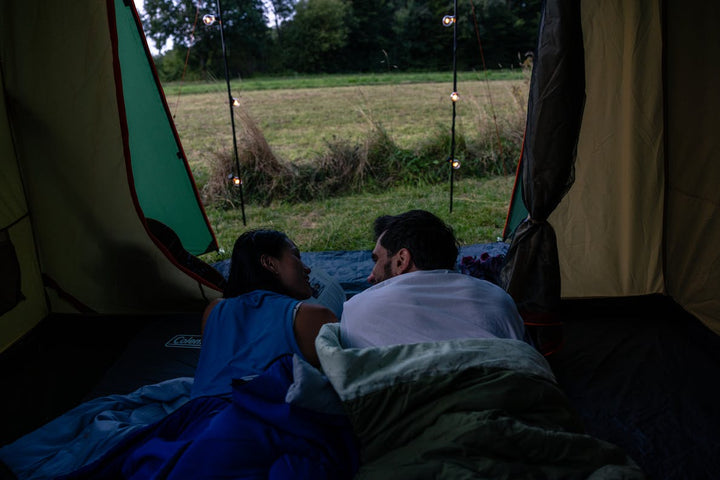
(246, 270)
(429, 240)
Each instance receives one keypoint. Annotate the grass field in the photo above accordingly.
(344, 223)
(300, 123)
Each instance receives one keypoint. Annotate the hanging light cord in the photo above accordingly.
(187, 58)
(232, 114)
(487, 84)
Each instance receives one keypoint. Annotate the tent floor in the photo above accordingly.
(67, 359)
(640, 372)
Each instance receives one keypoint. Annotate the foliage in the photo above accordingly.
(336, 36)
(316, 35)
(281, 10)
(420, 42)
(507, 30)
(374, 165)
(245, 35)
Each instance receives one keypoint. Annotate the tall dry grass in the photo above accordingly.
(367, 146)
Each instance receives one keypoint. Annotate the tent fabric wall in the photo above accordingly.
(17, 238)
(610, 225)
(692, 259)
(640, 217)
(92, 246)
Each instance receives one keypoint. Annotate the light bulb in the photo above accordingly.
(236, 181)
(235, 102)
(208, 19)
(455, 164)
(454, 96)
(448, 20)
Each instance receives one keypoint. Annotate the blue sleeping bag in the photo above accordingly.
(255, 435)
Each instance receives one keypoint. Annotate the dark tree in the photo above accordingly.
(421, 41)
(281, 10)
(331, 36)
(506, 30)
(371, 35)
(316, 36)
(245, 31)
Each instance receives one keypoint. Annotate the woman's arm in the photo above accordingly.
(206, 313)
(308, 320)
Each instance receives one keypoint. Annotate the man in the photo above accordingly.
(418, 296)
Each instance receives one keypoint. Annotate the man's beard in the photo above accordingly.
(387, 271)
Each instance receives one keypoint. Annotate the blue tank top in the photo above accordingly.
(242, 336)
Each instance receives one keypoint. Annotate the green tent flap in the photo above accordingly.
(95, 190)
(517, 212)
(162, 179)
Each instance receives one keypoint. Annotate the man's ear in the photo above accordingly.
(402, 261)
(269, 263)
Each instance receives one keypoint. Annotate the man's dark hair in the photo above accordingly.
(246, 271)
(429, 240)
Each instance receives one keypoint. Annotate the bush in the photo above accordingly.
(345, 167)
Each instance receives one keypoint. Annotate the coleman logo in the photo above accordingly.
(185, 341)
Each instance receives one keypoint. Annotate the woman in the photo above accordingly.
(261, 315)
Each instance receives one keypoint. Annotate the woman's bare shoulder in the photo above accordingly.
(207, 311)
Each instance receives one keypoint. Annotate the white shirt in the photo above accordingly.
(428, 306)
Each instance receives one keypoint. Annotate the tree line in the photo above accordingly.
(337, 36)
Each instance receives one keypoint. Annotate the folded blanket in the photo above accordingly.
(475, 408)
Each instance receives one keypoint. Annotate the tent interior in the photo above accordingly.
(96, 300)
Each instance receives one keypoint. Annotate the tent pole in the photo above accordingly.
(232, 114)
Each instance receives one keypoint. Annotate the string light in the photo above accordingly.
(209, 19)
(451, 21)
(236, 181)
(235, 102)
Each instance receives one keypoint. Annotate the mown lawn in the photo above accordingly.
(345, 223)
